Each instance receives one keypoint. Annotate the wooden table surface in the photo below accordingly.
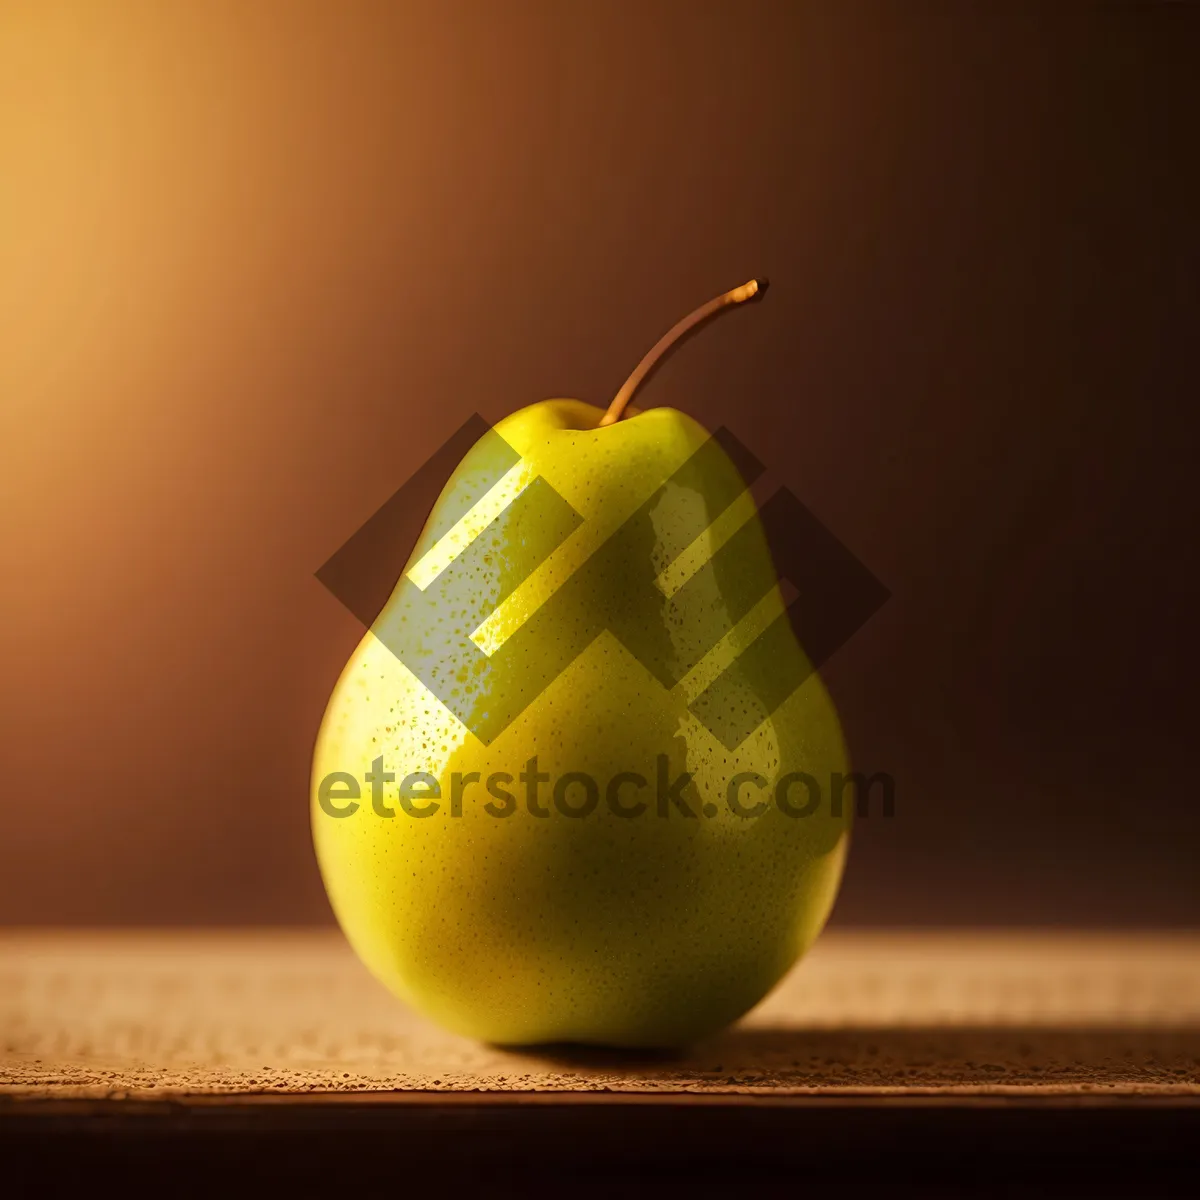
(285, 1031)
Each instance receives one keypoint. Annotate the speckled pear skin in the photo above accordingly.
(646, 931)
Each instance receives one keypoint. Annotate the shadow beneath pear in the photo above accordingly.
(977, 1056)
(584, 1056)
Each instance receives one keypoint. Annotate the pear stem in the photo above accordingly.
(748, 291)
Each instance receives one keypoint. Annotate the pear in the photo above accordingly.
(563, 790)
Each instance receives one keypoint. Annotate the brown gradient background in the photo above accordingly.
(258, 260)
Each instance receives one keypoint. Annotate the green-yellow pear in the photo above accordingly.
(550, 804)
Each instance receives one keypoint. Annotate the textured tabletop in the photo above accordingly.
(144, 1015)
